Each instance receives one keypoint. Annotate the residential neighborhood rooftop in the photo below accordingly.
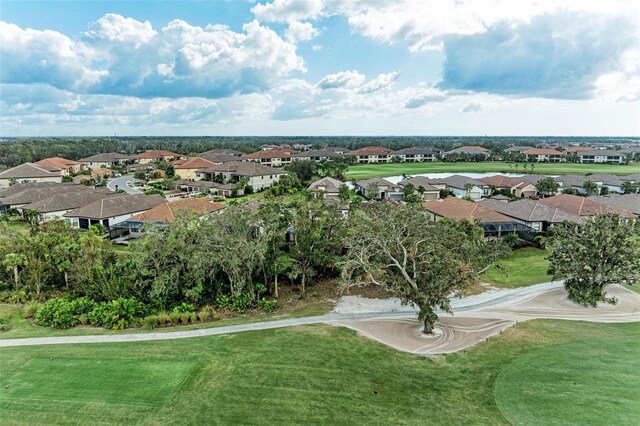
(168, 212)
(117, 206)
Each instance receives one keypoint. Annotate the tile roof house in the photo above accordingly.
(532, 213)
(379, 188)
(469, 150)
(371, 154)
(492, 222)
(24, 193)
(157, 155)
(66, 167)
(463, 186)
(583, 206)
(272, 157)
(577, 149)
(546, 155)
(326, 187)
(106, 160)
(416, 154)
(601, 156)
(167, 212)
(577, 182)
(518, 148)
(112, 210)
(321, 154)
(422, 185)
(29, 172)
(220, 158)
(55, 206)
(630, 202)
(515, 186)
(187, 169)
(258, 175)
(224, 151)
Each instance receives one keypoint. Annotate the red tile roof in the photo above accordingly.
(192, 163)
(543, 151)
(457, 208)
(370, 150)
(167, 212)
(57, 162)
(583, 206)
(157, 154)
(270, 153)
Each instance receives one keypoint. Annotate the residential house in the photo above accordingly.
(494, 224)
(601, 156)
(206, 187)
(630, 202)
(220, 158)
(371, 154)
(66, 167)
(423, 187)
(321, 154)
(112, 210)
(29, 172)
(416, 155)
(187, 169)
(326, 187)
(223, 151)
(106, 160)
(583, 206)
(577, 182)
(532, 213)
(545, 155)
(163, 214)
(139, 167)
(578, 149)
(518, 148)
(157, 155)
(21, 194)
(258, 176)
(463, 186)
(271, 157)
(378, 188)
(55, 206)
(468, 152)
(516, 186)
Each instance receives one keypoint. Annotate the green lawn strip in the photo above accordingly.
(592, 381)
(310, 375)
(22, 328)
(523, 267)
(365, 171)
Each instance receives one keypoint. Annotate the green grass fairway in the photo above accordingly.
(314, 375)
(366, 171)
(586, 382)
(524, 267)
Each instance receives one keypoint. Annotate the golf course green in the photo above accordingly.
(330, 375)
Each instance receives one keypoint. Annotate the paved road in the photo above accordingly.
(123, 183)
(459, 305)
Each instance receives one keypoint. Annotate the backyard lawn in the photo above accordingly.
(523, 267)
(539, 372)
(366, 171)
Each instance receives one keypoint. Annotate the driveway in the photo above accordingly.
(125, 183)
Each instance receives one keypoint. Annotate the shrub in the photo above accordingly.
(164, 318)
(118, 314)
(4, 325)
(84, 319)
(174, 317)
(267, 305)
(82, 305)
(57, 313)
(184, 308)
(150, 322)
(241, 303)
(185, 317)
(193, 317)
(315, 294)
(223, 301)
(31, 308)
(207, 313)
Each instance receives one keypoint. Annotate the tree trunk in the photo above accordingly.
(15, 275)
(428, 326)
(275, 286)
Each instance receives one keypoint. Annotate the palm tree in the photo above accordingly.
(590, 187)
(468, 187)
(13, 261)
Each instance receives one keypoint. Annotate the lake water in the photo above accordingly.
(396, 179)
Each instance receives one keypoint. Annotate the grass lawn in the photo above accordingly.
(366, 171)
(329, 375)
(524, 267)
(18, 225)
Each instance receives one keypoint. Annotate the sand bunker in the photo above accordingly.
(472, 324)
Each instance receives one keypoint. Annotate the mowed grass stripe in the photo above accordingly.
(303, 375)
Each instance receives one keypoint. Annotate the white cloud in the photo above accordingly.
(424, 96)
(288, 10)
(381, 82)
(344, 79)
(123, 56)
(472, 107)
(300, 31)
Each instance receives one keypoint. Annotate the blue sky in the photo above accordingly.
(319, 67)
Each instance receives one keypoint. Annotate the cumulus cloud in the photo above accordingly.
(379, 83)
(123, 56)
(344, 79)
(553, 56)
(425, 96)
(287, 10)
(300, 31)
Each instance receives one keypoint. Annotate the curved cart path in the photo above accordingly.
(476, 318)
